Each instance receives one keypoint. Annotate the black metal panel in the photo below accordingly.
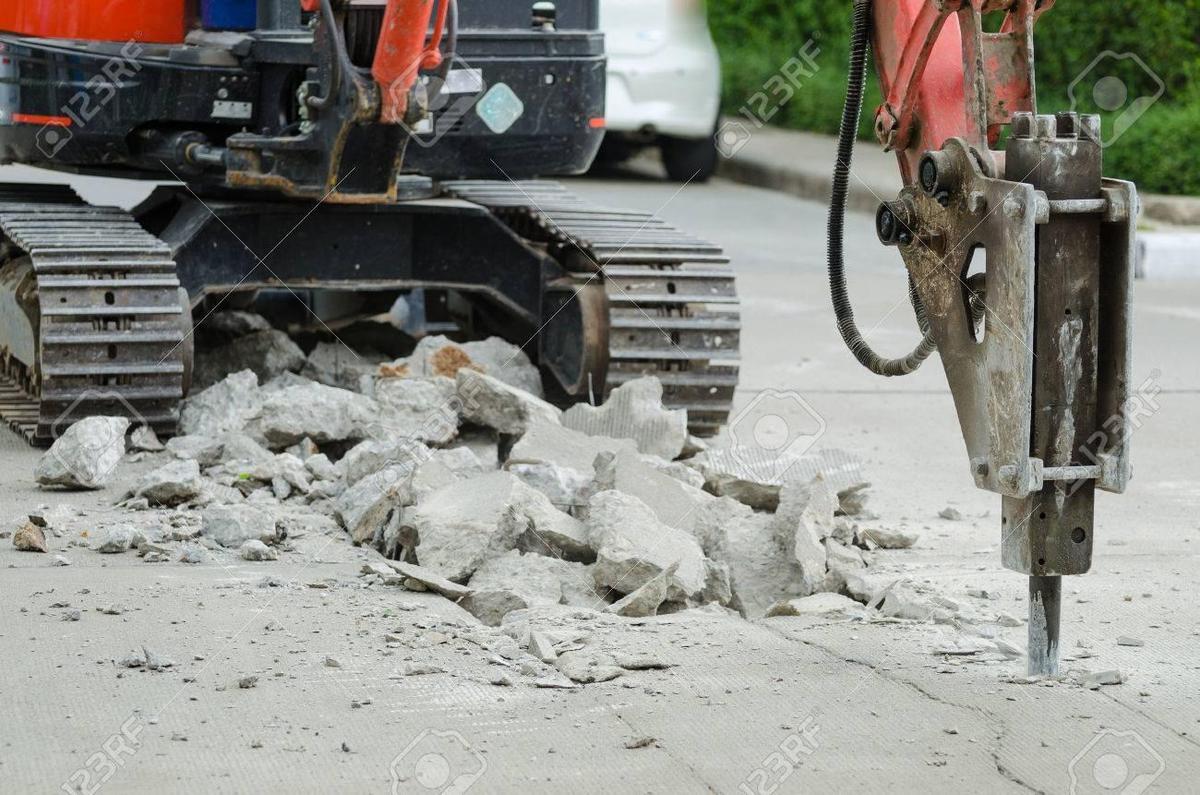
(438, 243)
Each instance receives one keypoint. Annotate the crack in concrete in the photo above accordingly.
(987, 715)
(1150, 718)
(695, 774)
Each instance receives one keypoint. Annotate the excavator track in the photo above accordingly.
(102, 331)
(673, 305)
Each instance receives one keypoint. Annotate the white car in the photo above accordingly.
(664, 84)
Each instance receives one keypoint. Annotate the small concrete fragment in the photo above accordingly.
(888, 539)
(204, 450)
(646, 600)
(256, 550)
(171, 484)
(29, 538)
(115, 539)
(85, 456)
(490, 402)
(831, 605)
(233, 525)
(950, 514)
(587, 666)
(634, 411)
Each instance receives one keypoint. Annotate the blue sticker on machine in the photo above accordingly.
(500, 108)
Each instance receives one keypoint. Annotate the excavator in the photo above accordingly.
(1019, 255)
(368, 150)
(379, 148)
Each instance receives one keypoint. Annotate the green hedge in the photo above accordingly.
(1157, 151)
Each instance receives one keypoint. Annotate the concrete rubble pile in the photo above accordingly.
(451, 465)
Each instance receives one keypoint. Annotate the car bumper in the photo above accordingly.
(675, 91)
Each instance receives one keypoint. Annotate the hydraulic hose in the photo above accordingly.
(837, 218)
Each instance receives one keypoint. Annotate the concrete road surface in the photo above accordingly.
(779, 705)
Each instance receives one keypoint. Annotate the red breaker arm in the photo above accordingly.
(942, 76)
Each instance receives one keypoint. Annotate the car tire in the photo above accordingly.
(689, 159)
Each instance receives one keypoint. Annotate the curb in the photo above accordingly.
(812, 184)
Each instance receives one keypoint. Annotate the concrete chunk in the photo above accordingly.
(223, 407)
(321, 413)
(172, 484)
(634, 411)
(633, 547)
(547, 442)
(461, 525)
(233, 525)
(85, 456)
(490, 402)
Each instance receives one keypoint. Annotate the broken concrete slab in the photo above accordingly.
(516, 581)
(548, 442)
(442, 468)
(633, 547)
(806, 517)
(634, 411)
(222, 408)
(674, 503)
(488, 401)
(430, 579)
(321, 413)
(548, 531)
(463, 524)
(763, 569)
(755, 476)
(267, 353)
(425, 409)
(233, 525)
(566, 488)
(171, 484)
(86, 454)
(370, 456)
